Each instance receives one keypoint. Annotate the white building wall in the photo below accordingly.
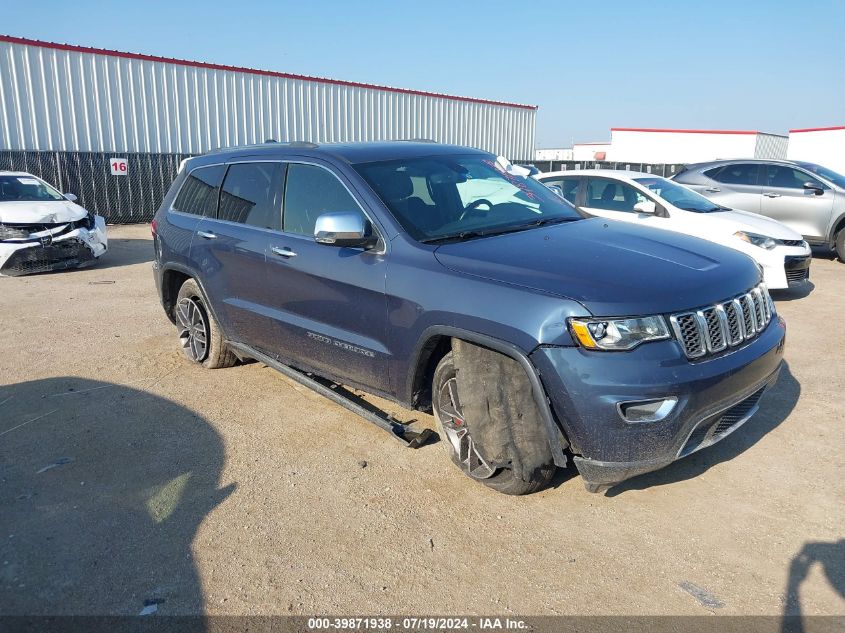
(565, 153)
(825, 146)
(679, 146)
(61, 97)
(588, 151)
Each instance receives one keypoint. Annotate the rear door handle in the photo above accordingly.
(712, 190)
(207, 235)
(771, 194)
(283, 252)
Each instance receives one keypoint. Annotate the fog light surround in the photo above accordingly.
(637, 411)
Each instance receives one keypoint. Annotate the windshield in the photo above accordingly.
(26, 189)
(824, 172)
(679, 196)
(438, 198)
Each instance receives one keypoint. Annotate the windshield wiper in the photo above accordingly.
(467, 235)
(454, 237)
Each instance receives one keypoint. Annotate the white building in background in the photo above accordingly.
(564, 153)
(591, 151)
(647, 145)
(822, 145)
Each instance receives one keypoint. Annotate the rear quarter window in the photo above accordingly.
(199, 192)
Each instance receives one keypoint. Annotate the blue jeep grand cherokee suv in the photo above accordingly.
(431, 275)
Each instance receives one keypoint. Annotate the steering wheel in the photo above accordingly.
(473, 206)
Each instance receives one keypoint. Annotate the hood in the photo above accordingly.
(755, 223)
(52, 212)
(611, 268)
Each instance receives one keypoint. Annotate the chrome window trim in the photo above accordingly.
(286, 161)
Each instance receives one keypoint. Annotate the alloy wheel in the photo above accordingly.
(452, 420)
(193, 334)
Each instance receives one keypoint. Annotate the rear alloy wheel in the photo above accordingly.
(462, 449)
(840, 245)
(199, 335)
(193, 333)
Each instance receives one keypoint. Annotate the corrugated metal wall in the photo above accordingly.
(771, 146)
(63, 98)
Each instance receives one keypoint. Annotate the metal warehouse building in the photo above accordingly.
(68, 112)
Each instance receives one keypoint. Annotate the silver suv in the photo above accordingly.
(806, 197)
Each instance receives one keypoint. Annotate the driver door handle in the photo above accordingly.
(207, 235)
(282, 252)
(771, 194)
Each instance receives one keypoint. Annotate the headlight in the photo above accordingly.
(618, 334)
(762, 241)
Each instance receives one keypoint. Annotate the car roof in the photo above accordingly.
(14, 173)
(348, 152)
(621, 174)
(729, 161)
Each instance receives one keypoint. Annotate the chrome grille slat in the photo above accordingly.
(713, 329)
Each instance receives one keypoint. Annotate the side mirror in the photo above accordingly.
(343, 228)
(811, 186)
(646, 206)
(71, 197)
(557, 189)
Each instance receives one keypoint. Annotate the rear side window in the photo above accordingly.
(738, 174)
(198, 194)
(568, 185)
(610, 195)
(252, 195)
(311, 191)
(782, 176)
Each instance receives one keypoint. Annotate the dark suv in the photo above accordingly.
(431, 275)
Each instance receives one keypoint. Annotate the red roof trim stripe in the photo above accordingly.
(818, 129)
(267, 73)
(646, 129)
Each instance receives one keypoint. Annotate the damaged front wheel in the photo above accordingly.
(464, 450)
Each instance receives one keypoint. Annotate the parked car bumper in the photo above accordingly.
(74, 249)
(713, 397)
(785, 266)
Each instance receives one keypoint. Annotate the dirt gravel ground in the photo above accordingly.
(128, 475)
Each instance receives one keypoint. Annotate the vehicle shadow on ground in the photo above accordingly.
(126, 252)
(831, 557)
(775, 407)
(102, 489)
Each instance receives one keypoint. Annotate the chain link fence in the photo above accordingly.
(658, 169)
(131, 197)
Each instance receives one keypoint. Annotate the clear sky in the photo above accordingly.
(768, 65)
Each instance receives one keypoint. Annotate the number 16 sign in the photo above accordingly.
(118, 166)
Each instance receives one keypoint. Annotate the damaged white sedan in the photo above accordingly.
(42, 230)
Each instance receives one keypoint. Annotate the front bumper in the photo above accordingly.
(785, 266)
(76, 248)
(586, 388)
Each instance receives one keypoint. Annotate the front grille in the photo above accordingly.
(792, 242)
(797, 276)
(713, 329)
(714, 428)
(30, 232)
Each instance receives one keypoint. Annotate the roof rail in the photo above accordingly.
(415, 140)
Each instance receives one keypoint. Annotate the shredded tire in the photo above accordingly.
(501, 416)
